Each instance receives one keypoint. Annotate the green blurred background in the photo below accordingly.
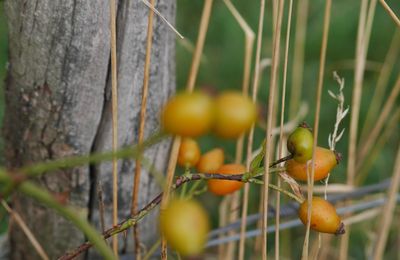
(222, 69)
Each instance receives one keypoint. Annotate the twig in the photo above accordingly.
(371, 139)
(381, 85)
(170, 175)
(280, 147)
(298, 56)
(151, 6)
(28, 233)
(390, 128)
(363, 36)
(124, 225)
(142, 120)
(310, 180)
(271, 99)
(390, 12)
(248, 50)
(250, 136)
(205, 19)
(114, 105)
(388, 210)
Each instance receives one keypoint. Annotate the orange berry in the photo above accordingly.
(211, 161)
(189, 153)
(223, 187)
(325, 161)
(323, 217)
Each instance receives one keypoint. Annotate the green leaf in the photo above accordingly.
(257, 161)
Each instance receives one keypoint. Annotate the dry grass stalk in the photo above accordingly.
(268, 135)
(142, 120)
(281, 138)
(170, 177)
(114, 105)
(363, 35)
(381, 84)
(388, 210)
(205, 19)
(151, 6)
(384, 114)
(248, 50)
(298, 56)
(310, 181)
(390, 128)
(390, 12)
(249, 149)
(332, 188)
(333, 138)
(25, 229)
(223, 221)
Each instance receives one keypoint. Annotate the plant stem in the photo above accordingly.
(74, 161)
(132, 221)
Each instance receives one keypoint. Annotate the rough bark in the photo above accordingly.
(58, 104)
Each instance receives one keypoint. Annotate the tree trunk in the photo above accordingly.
(58, 104)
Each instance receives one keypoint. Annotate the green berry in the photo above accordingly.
(300, 143)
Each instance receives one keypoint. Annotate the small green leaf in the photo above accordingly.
(256, 162)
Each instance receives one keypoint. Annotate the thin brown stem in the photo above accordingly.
(248, 50)
(381, 85)
(268, 134)
(170, 175)
(282, 117)
(114, 104)
(133, 220)
(142, 120)
(371, 139)
(205, 19)
(390, 12)
(310, 182)
(25, 229)
(298, 56)
(388, 210)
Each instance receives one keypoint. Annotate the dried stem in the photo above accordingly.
(170, 176)
(251, 132)
(151, 6)
(248, 50)
(390, 12)
(142, 120)
(310, 182)
(205, 19)
(390, 128)
(298, 56)
(371, 139)
(268, 135)
(387, 211)
(126, 224)
(381, 85)
(28, 233)
(363, 35)
(280, 147)
(114, 104)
